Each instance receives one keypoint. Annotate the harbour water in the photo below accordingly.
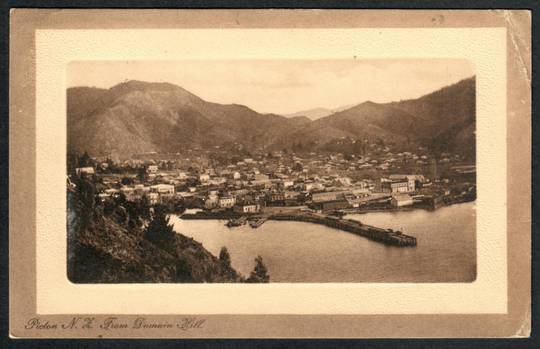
(306, 252)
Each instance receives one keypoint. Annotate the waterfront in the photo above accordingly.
(305, 252)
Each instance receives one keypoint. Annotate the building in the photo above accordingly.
(84, 170)
(400, 183)
(152, 169)
(247, 208)
(401, 200)
(212, 201)
(328, 196)
(275, 198)
(332, 205)
(128, 192)
(153, 198)
(288, 183)
(227, 201)
(311, 186)
(203, 178)
(163, 189)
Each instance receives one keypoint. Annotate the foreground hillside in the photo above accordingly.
(119, 242)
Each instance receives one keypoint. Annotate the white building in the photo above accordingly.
(84, 170)
(247, 208)
(153, 198)
(227, 201)
(152, 169)
(204, 178)
(163, 189)
(401, 200)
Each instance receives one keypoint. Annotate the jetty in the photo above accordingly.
(385, 236)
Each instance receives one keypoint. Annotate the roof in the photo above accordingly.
(402, 197)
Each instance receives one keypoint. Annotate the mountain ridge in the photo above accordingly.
(136, 116)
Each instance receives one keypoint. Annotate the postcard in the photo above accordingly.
(270, 173)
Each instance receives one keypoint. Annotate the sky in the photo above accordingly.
(283, 86)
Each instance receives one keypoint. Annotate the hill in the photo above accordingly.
(136, 117)
(367, 120)
(447, 117)
(117, 241)
(443, 121)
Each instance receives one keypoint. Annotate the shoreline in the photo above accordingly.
(404, 209)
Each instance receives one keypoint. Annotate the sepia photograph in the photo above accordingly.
(271, 171)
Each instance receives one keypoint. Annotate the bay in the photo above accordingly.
(306, 252)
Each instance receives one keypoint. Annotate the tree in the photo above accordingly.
(127, 181)
(141, 174)
(85, 160)
(144, 207)
(183, 271)
(86, 194)
(160, 232)
(225, 257)
(259, 273)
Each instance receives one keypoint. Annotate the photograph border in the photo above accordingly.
(22, 171)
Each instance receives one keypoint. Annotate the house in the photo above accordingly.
(227, 201)
(129, 193)
(345, 181)
(203, 178)
(164, 189)
(276, 197)
(311, 186)
(84, 170)
(212, 201)
(288, 183)
(218, 180)
(152, 169)
(153, 198)
(401, 200)
(247, 208)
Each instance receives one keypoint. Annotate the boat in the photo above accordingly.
(236, 222)
(257, 222)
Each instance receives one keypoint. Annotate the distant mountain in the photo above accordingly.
(367, 120)
(317, 113)
(137, 117)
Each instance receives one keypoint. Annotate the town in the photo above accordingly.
(278, 181)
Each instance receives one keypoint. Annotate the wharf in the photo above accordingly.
(385, 236)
